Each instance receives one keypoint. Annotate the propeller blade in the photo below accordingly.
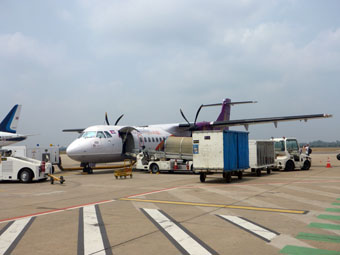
(198, 111)
(121, 116)
(106, 119)
(184, 116)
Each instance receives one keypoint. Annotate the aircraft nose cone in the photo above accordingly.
(73, 151)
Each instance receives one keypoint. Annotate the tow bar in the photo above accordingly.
(55, 178)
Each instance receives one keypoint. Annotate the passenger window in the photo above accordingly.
(149, 139)
(141, 139)
(153, 139)
(108, 134)
(145, 140)
(100, 134)
(156, 139)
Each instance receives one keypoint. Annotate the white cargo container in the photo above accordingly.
(223, 152)
(261, 156)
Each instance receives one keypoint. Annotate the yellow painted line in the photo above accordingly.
(217, 205)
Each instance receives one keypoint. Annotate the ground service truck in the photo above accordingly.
(16, 168)
(175, 157)
(288, 155)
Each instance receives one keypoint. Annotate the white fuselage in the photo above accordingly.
(104, 143)
(10, 138)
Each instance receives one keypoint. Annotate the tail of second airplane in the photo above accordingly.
(10, 122)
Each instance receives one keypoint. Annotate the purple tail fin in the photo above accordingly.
(225, 111)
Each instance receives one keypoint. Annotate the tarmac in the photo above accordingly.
(295, 212)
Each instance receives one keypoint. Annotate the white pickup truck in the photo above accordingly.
(23, 169)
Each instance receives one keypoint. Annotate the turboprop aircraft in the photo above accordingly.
(8, 128)
(111, 143)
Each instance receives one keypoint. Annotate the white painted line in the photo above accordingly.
(12, 233)
(190, 245)
(93, 241)
(54, 211)
(263, 233)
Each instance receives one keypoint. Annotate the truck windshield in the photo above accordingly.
(279, 146)
(292, 145)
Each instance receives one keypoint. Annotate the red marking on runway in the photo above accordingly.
(155, 191)
(55, 211)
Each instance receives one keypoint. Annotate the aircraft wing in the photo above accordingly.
(79, 130)
(247, 122)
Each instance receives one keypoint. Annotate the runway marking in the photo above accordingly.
(55, 211)
(185, 241)
(12, 234)
(328, 217)
(335, 203)
(92, 237)
(152, 192)
(290, 249)
(324, 226)
(333, 209)
(251, 227)
(319, 237)
(218, 206)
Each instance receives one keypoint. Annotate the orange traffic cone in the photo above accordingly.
(175, 165)
(328, 163)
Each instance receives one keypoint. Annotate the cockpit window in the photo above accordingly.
(100, 134)
(80, 135)
(89, 134)
(108, 134)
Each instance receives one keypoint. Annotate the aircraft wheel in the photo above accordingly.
(338, 156)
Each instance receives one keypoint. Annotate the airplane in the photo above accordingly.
(8, 128)
(113, 143)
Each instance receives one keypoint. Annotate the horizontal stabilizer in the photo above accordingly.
(79, 130)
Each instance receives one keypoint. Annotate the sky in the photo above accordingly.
(69, 62)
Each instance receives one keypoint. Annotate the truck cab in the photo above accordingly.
(288, 155)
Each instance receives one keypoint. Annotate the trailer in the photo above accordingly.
(261, 156)
(176, 157)
(225, 152)
(15, 168)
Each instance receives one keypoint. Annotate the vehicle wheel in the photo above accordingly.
(306, 165)
(290, 166)
(228, 177)
(240, 175)
(202, 177)
(338, 156)
(258, 172)
(269, 171)
(154, 168)
(25, 176)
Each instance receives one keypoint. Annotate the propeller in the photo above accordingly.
(107, 120)
(192, 126)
